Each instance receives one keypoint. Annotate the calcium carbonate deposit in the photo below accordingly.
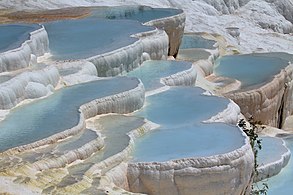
(128, 97)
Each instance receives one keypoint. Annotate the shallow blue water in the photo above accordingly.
(250, 69)
(13, 35)
(195, 41)
(180, 106)
(283, 182)
(150, 72)
(114, 128)
(140, 13)
(272, 150)
(180, 111)
(56, 113)
(196, 140)
(84, 38)
(78, 141)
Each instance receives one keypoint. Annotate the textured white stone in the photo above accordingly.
(230, 115)
(228, 173)
(265, 103)
(154, 43)
(174, 27)
(32, 84)
(184, 78)
(86, 72)
(37, 44)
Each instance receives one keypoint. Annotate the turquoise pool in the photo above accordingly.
(56, 113)
(150, 72)
(180, 112)
(84, 38)
(250, 69)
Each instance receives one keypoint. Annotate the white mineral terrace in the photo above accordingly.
(23, 56)
(145, 108)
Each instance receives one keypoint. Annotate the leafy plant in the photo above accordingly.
(250, 130)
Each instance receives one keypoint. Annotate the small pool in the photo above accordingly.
(193, 54)
(198, 140)
(272, 150)
(43, 118)
(84, 38)
(114, 128)
(250, 69)
(13, 35)
(181, 106)
(190, 41)
(180, 112)
(283, 182)
(150, 72)
(139, 13)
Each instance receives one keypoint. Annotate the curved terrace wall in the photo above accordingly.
(151, 45)
(223, 173)
(18, 58)
(28, 85)
(184, 78)
(110, 168)
(270, 103)
(228, 173)
(174, 27)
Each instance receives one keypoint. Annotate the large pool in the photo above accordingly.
(250, 69)
(13, 35)
(180, 112)
(84, 38)
(104, 30)
(150, 72)
(56, 113)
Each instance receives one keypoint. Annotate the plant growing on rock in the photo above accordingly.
(250, 128)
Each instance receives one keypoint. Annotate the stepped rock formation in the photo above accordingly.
(36, 45)
(184, 78)
(174, 27)
(28, 85)
(151, 45)
(76, 72)
(219, 174)
(270, 103)
(121, 103)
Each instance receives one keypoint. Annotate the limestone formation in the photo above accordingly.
(174, 27)
(37, 44)
(28, 85)
(270, 103)
(153, 44)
